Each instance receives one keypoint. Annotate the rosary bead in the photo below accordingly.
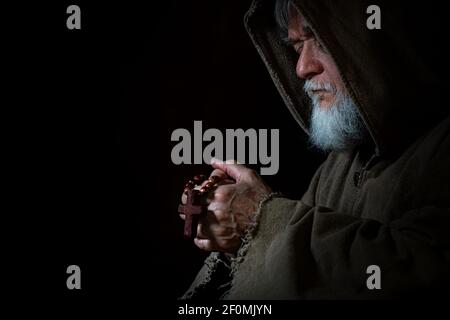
(189, 185)
(198, 180)
(209, 185)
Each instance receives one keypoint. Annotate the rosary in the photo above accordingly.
(195, 207)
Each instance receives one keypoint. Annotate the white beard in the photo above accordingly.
(338, 126)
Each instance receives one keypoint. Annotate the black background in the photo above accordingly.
(88, 119)
(99, 189)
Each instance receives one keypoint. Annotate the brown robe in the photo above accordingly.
(385, 203)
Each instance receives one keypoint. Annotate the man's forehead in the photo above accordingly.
(297, 26)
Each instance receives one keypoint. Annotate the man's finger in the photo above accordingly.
(204, 244)
(230, 167)
(217, 205)
(219, 173)
(203, 231)
(211, 195)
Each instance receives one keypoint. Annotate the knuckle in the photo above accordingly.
(221, 215)
(221, 196)
(204, 244)
(201, 244)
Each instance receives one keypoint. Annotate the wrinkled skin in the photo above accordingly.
(314, 63)
(232, 204)
(230, 207)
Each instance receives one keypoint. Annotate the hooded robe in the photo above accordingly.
(384, 203)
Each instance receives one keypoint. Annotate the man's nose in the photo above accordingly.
(308, 65)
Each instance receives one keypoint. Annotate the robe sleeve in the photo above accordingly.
(212, 281)
(412, 251)
(302, 250)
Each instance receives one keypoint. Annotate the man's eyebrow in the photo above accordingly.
(291, 42)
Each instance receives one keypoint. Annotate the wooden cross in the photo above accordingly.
(192, 210)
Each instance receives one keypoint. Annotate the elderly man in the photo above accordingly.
(381, 199)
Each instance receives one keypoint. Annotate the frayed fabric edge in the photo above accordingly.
(211, 262)
(249, 235)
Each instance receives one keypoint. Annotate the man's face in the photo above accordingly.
(335, 120)
(314, 64)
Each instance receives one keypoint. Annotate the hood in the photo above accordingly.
(396, 75)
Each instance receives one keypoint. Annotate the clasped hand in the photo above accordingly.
(230, 207)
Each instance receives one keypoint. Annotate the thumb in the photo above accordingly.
(231, 168)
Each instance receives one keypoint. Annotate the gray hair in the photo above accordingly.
(282, 12)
